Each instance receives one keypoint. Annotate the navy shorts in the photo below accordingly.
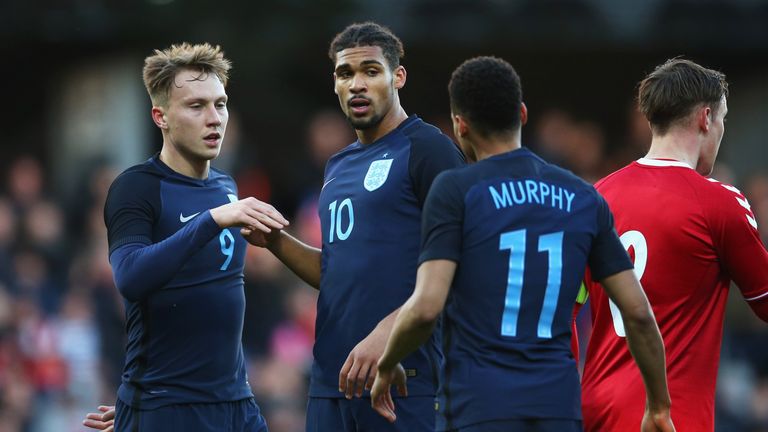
(414, 414)
(525, 425)
(235, 416)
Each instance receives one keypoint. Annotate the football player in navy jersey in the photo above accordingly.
(173, 226)
(505, 245)
(370, 211)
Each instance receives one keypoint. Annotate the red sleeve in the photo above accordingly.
(574, 333)
(739, 248)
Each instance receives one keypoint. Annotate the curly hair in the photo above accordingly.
(369, 34)
(161, 68)
(488, 92)
(675, 88)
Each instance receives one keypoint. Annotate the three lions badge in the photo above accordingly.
(377, 174)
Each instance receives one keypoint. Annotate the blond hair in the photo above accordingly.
(161, 68)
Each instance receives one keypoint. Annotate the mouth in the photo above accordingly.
(359, 105)
(212, 139)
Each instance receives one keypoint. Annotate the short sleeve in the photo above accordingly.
(442, 220)
(607, 256)
(130, 209)
(737, 242)
(431, 155)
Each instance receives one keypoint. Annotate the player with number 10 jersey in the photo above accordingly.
(370, 214)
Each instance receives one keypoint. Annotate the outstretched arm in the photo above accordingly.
(140, 269)
(645, 344)
(412, 328)
(302, 259)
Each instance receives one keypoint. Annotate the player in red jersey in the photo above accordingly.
(689, 237)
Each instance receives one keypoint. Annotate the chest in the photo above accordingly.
(181, 204)
(364, 189)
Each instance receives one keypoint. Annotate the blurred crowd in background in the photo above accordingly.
(76, 114)
(61, 318)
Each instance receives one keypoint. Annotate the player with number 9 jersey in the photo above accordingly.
(184, 317)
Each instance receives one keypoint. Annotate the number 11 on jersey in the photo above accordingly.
(515, 242)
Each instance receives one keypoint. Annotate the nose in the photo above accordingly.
(358, 83)
(212, 116)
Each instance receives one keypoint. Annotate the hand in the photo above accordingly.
(359, 369)
(381, 396)
(657, 420)
(260, 238)
(249, 213)
(104, 421)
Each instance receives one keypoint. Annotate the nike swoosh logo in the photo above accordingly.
(185, 219)
(326, 183)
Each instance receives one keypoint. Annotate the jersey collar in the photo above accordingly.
(663, 163)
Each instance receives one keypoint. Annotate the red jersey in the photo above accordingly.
(689, 236)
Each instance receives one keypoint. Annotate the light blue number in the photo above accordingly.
(336, 220)
(514, 241)
(332, 209)
(553, 245)
(227, 247)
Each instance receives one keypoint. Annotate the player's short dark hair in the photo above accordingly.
(369, 34)
(488, 92)
(675, 88)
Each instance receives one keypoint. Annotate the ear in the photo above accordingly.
(158, 116)
(399, 77)
(335, 90)
(523, 114)
(460, 125)
(704, 118)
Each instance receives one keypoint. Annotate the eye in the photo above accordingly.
(195, 105)
(372, 72)
(221, 105)
(344, 74)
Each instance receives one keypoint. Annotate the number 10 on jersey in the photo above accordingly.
(515, 242)
(336, 219)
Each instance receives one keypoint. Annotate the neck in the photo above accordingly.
(680, 145)
(387, 124)
(486, 147)
(184, 165)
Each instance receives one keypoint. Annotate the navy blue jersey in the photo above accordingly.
(370, 213)
(522, 232)
(182, 280)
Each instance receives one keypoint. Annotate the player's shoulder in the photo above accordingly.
(138, 177)
(221, 176)
(355, 146)
(421, 133)
(724, 198)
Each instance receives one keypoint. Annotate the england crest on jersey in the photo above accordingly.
(377, 174)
